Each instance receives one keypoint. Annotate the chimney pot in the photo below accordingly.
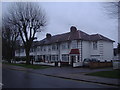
(73, 29)
(48, 35)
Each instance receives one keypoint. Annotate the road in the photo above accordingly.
(26, 79)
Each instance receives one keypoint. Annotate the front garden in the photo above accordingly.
(29, 66)
(106, 74)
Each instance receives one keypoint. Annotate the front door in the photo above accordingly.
(72, 60)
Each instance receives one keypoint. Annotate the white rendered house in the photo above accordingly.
(71, 48)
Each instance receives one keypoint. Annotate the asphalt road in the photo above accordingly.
(26, 79)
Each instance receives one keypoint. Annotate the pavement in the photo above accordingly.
(71, 73)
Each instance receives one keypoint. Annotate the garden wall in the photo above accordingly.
(100, 64)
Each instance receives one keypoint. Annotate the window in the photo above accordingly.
(95, 45)
(38, 49)
(53, 47)
(34, 49)
(74, 44)
(49, 48)
(65, 57)
(68, 44)
(41, 48)
(57, 47)
(21, 50)
(64, 46)
(44, 49)
(54, 58)
(17, 51)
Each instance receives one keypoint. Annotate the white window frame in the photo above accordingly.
(95, 45)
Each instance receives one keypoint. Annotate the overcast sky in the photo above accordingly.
(89, 17)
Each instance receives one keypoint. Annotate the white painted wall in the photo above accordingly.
(20, 54)
(108, 50)
(85, 50)
(104, 50)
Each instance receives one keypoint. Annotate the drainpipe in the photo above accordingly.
(59, 52)
(81, 51)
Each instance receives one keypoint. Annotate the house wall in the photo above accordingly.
(85, 49)
(96, 53)
(108, 50)
(66, 50)
(20, 54)
(103, 52)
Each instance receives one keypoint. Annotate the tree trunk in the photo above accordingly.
(27, 56)
(9, 55)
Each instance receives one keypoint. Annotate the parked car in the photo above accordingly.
(88, 60)
(95, 60)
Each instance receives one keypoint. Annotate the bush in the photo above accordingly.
(17, 58)
(20, 58)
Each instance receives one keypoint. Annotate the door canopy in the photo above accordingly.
(74, 51)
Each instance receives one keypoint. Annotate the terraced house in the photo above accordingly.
(71, 48)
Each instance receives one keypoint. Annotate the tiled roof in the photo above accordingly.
(96, 37)
(65, 37)
(76, 35)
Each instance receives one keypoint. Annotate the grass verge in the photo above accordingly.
(107, 74)
(29, 66)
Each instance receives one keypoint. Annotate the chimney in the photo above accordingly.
(48, 35)
(73, 29)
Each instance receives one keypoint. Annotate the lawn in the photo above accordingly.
(107, 74)
(29, 66)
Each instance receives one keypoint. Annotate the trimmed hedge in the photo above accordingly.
(20, 58)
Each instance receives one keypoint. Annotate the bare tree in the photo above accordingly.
(29, 18)
(9, 37)
(113, 9)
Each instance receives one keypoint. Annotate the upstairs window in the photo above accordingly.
(38, 48)
(63, 46)
(53, 47)
(49, 48)
(74, 44)
(21, 50)
(95, 45)
(17, 51)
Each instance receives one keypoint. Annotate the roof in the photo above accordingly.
(69, 36)
(96, 37)
(65, 37)
(74, 51)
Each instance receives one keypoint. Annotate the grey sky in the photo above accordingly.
(90, 17)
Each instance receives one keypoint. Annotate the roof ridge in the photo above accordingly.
(99, 36)
(61, 34)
